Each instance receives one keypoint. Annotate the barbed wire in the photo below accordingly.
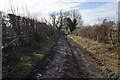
(17, 37)
(9, 43)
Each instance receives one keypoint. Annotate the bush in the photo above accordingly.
(102, 33)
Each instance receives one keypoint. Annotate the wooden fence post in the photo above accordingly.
(0, 45)
(119, 35)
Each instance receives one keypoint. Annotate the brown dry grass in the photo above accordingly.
(106, 56)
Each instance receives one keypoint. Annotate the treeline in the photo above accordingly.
(106, 32)
(66, 20)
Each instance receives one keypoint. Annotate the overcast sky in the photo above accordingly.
(91, 10)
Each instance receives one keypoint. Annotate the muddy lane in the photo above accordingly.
(65, 60)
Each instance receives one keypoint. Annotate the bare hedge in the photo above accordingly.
(105, 32)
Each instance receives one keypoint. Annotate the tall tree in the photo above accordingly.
(71, 24)
(72, 19)
(57, 19)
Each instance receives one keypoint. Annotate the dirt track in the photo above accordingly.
(66, 60)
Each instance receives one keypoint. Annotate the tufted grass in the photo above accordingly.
(105, 56)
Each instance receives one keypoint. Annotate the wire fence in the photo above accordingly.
(17, 35)
(15, 38)
(21, 37)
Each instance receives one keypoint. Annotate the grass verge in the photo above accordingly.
(105, 56)
(19, 64)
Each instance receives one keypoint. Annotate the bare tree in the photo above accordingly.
(57, 19)
(11, 8)
(53, 17)
(60, 19)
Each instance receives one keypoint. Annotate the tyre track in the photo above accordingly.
(65, 60)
